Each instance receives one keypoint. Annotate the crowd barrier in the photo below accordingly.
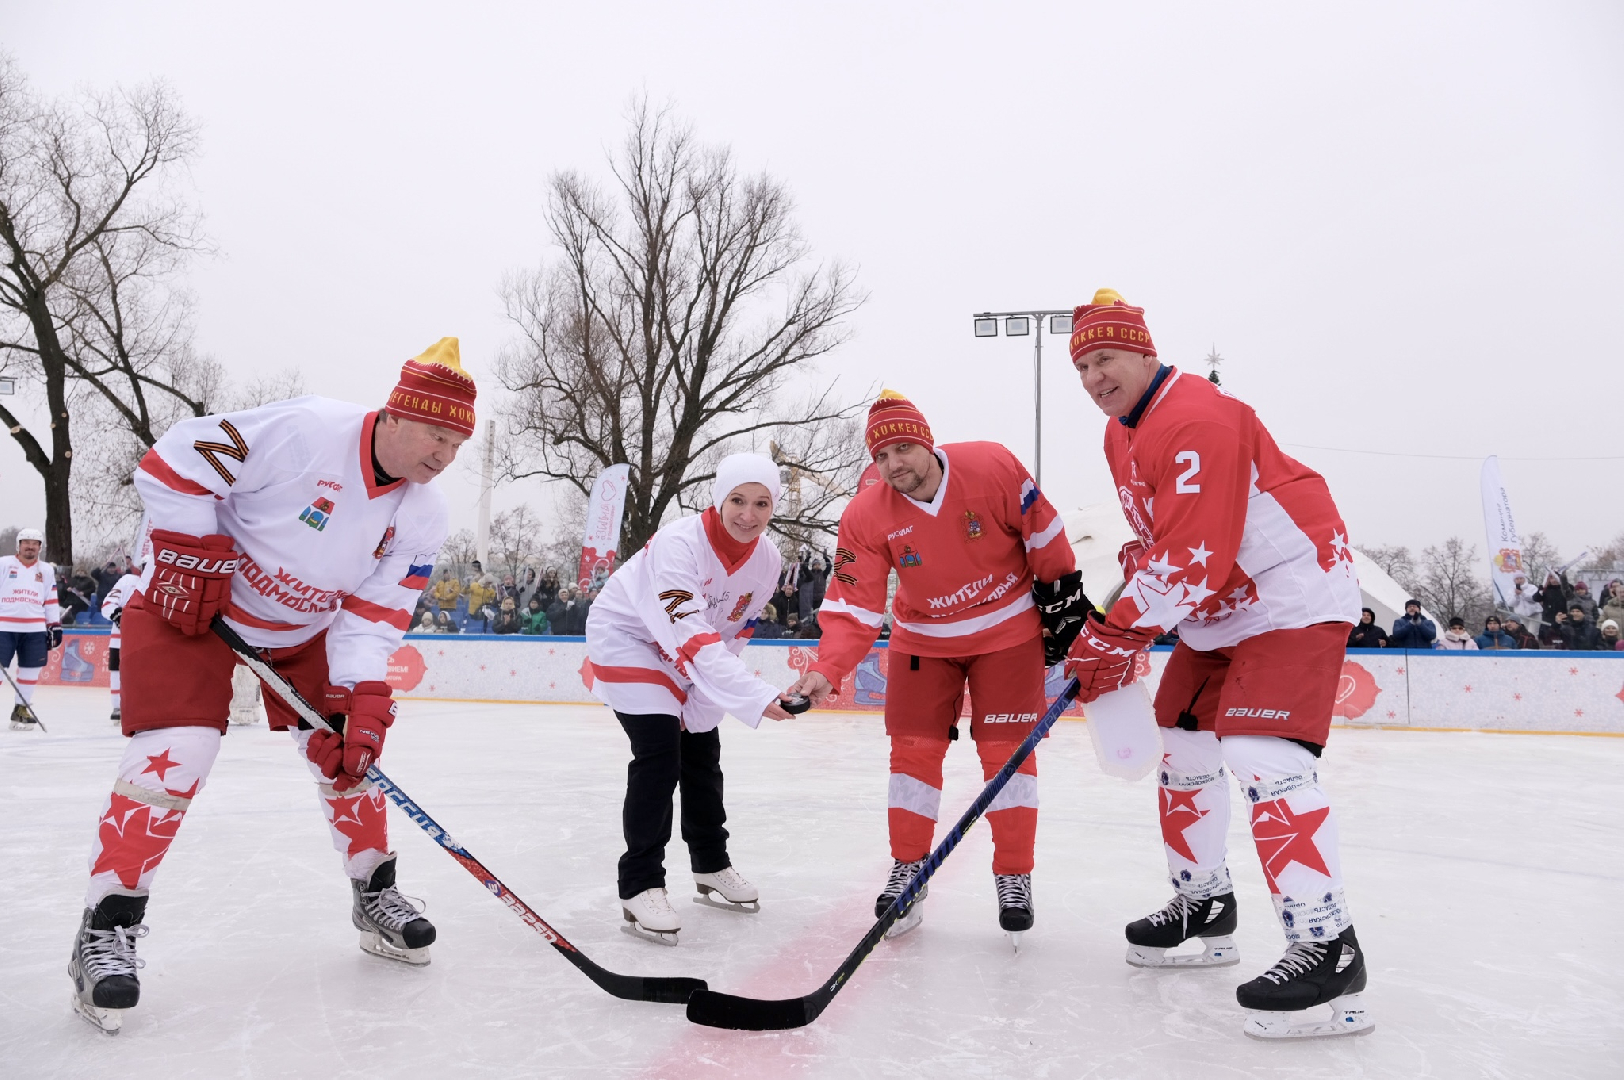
(1549, 692)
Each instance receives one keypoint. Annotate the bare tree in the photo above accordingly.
(90, 243)
(458, 551)
(1397, 561)
(1539, 555)
(1449, 584)
(671, 329)
(516, 540)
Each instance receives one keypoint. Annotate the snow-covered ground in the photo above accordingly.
(1483, 871)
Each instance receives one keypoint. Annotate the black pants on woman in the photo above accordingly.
(664, 757)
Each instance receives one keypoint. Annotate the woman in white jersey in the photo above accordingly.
(664, 639)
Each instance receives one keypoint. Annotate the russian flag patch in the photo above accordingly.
(418, 576)
(1029, 495)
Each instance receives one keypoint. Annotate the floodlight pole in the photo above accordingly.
(1039, 318)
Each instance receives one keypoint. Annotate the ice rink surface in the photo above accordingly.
(1483, 871)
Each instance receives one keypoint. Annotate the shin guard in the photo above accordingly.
(1193, 800)
(1013, 814)
(915, 794)
(162, 770)
(356, 818)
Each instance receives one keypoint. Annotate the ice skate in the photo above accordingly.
(1015, 907)
(1311, 974)
(392, 926)
(901, 874)
(736, 893)
(23, 718)
(1211, 921)
(103, 964)
(118, 716)
(650, 916)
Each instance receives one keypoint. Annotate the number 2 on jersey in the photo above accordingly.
(1184, 486)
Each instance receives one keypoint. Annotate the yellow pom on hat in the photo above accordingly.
(891, 395)
(444, 352)
(1110, 322)
(434, 389)
(1107, 296)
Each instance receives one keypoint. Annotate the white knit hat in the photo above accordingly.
(736, 469)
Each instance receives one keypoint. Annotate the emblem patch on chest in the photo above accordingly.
(740, 608)
(972, 525)
(908, 557)
(316, 514)
(383, 545)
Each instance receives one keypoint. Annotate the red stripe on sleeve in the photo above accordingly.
(157, 467)
(397, 617)
(694, 644)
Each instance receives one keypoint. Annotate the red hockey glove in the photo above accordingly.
(191, 578)
(1102, 658)
(54, 641)
(1132, 558)
(368, 711)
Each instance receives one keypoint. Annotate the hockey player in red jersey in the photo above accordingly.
(1242, 550)
(309, 526)
(970, 537)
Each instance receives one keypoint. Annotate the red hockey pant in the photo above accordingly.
(923, 699)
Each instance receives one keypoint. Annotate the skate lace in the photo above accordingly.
(1014, 890)
(112, 952)
(1301, 958)
(1177, 911)
(391, 908)
(901, 874)
(730, 878)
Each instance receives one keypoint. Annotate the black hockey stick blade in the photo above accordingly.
(718, 1010)
(668, 990)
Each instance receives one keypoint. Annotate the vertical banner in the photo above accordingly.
(1505, 546)
(604, 509)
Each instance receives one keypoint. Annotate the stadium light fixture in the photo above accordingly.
(8, 386)
(1020, 324)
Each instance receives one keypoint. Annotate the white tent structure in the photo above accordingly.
(1097, 532)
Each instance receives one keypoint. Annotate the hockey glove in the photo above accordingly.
(367, 712)
(191, 578)
(117, 616)
(1132, 558)
(1102, 658)
(1063, 606)
(55, 632)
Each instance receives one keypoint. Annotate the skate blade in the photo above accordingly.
(23, 725)
(1014, 939)
(1219, 952)
(907, 923)
(106, 1021)
(1348, 1017)
(749, 907)
(659, 937)
(376, 945)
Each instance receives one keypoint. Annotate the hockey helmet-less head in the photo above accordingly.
(434, 389)
(894, 419)
(1109, 322)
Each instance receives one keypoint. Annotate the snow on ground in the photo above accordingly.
(1483, 872)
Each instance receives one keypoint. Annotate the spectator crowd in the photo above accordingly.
(1556, 615)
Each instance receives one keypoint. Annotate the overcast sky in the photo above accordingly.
(1402, 225)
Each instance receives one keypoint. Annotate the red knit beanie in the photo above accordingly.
(893, 419)
(1109, 322)
(434, 389)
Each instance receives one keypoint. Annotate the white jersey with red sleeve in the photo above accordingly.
(1241, 538)
(665, 634)
(965, 563)
(324, 546)
(27, 596)
(119, 595)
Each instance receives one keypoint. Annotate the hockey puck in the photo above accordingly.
(794, 704)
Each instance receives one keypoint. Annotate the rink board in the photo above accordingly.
(1557, 692)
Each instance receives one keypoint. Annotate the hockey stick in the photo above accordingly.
(715, 1009)
(670, 990)
(29, 705)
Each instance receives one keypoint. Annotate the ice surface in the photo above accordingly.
(1483, 871)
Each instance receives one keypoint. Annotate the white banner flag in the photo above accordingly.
(1505, 546)
(604, 509)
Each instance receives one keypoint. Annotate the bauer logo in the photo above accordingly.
(1261, 714)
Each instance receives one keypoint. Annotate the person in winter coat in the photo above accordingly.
(425, 624)
(1367, 635)
(446, 591)
(1582, 597)
(444, 625)
(1612, 603)
(1456, 638)
(1412, 630)
(547, 588)
(534, 619)
(1520, 634)
(1553, 598)
(1610, 639)
(1576, 632)
(1523, 599)
(1494, 637)
(768, 628)
(507, 617)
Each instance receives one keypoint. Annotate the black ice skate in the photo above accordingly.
(1212, 921)
(1312, 973)
(118, 716)
(392, 926)
(1015, 908)
(103, 964)
(23, 718)
(901, 874)
(736, 892)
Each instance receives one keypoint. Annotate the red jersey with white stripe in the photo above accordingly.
(27, 596)
(119, 595)
(324, 547)
(1242, 539)
(665, 634)
(965, 563)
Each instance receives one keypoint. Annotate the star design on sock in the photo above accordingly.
(1181, 803)
(360, 818)
(131, 839)
(160, 763)
(1284, 837)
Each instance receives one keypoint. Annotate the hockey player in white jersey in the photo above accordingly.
(112, 610)
(30, 621)
(310, 527)
(663, 640)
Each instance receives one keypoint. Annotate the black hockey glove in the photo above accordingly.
(54, 632)
(117, 616)
(1063, 606)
